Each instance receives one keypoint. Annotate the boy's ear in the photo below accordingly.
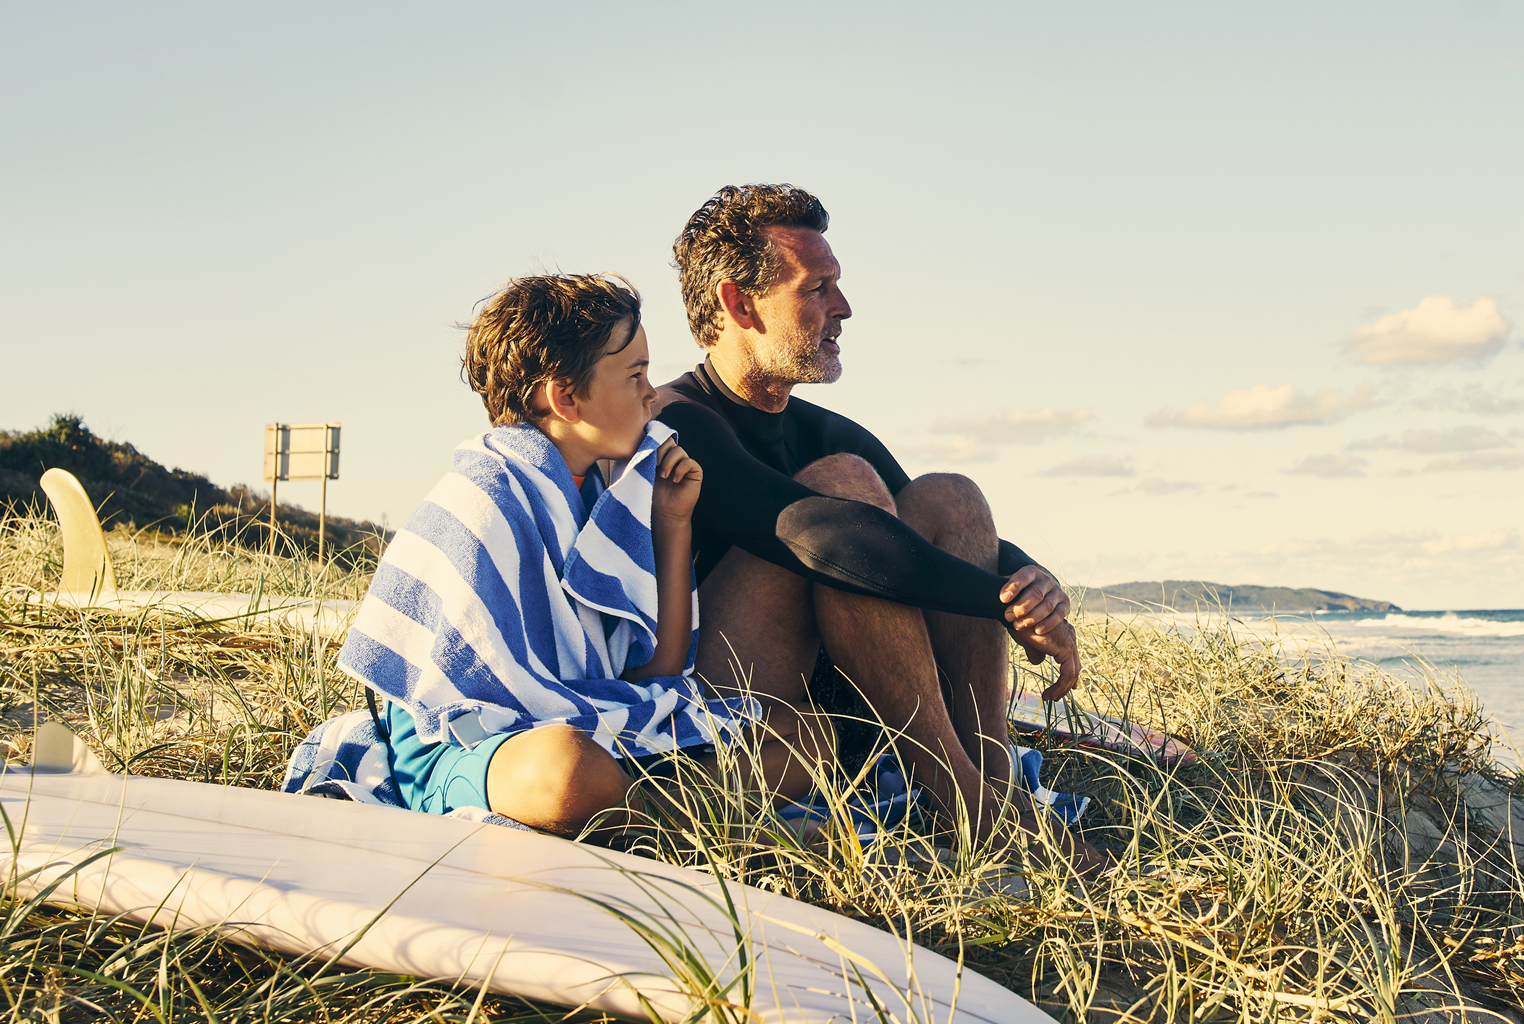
(736, 304)
(560, 401)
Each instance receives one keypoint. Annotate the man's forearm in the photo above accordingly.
(863, 549)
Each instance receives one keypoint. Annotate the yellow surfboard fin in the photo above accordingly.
(87, 566)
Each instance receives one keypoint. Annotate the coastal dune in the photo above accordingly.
(1346, 846)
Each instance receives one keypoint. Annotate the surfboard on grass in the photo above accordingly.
(89, 581)
(435, 897)
(1064, 721)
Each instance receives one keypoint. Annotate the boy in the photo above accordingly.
(532, 626)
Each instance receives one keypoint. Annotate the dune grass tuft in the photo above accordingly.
(1342, 850)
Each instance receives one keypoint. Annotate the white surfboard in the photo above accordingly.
(1030, 713)
(327, 618)
(436, 897)
(89, 581)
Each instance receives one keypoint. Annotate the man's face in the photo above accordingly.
(799, 317)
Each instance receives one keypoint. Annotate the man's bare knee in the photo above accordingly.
(848, 476)
(942, 503)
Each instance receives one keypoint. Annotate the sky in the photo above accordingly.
(1193, 291)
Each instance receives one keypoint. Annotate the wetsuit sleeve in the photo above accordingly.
(1013, 559)
(848, 545)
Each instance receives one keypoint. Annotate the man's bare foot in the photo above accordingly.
(1087, 861)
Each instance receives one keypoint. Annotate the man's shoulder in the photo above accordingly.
(825, 420)
(685, 390)
(685, 402)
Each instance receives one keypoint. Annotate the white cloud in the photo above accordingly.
(973, 438)
(1457, 439)
(962, 448)
(1330, 466)
(1482, 460)
(1475, 400)
(1157, 487)
(1092, 465)
(1015, 427)
(1437, 330)
(1432, 442)
(1482, 540)
(1263, 407)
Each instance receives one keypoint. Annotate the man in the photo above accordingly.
(810, 538)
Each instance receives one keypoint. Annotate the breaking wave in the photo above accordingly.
(1449, 624)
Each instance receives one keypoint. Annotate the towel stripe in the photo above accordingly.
(504, 596)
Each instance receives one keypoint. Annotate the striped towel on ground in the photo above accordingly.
(504, 604)
(1065, 806)
(885, 799)
(344, 758)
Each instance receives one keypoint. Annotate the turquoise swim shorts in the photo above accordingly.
(438, 778)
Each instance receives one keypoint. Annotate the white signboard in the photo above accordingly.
(301, 451)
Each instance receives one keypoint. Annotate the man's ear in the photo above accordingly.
(739, 306)
(560, 400)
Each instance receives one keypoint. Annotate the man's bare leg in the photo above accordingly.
(974, 654)
(757, 630)
(767, 624)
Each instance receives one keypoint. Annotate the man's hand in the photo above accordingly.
(678, 479)
(1036, 616)
(1036, 602)
(1062, 646)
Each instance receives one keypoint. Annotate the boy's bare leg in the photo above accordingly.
(554, 778)
(557, 779)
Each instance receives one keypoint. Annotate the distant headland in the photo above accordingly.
(1187, 595)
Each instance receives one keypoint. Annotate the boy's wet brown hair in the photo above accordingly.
(726, 238)
(547, 327)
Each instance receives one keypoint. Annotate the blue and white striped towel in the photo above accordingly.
(345, 758)
(1065, 806)
(505, 604)
(885, 799)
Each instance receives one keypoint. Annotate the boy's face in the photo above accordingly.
(619, 397)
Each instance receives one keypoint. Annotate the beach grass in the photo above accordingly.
(1340, 851)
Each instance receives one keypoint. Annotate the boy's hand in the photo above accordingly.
(678, 479)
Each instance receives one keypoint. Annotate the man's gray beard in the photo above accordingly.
(798, 358)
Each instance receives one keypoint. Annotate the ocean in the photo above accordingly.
(1485, 648)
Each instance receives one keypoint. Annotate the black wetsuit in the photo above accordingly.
(750, 500)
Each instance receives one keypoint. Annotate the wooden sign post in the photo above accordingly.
(301, 451)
